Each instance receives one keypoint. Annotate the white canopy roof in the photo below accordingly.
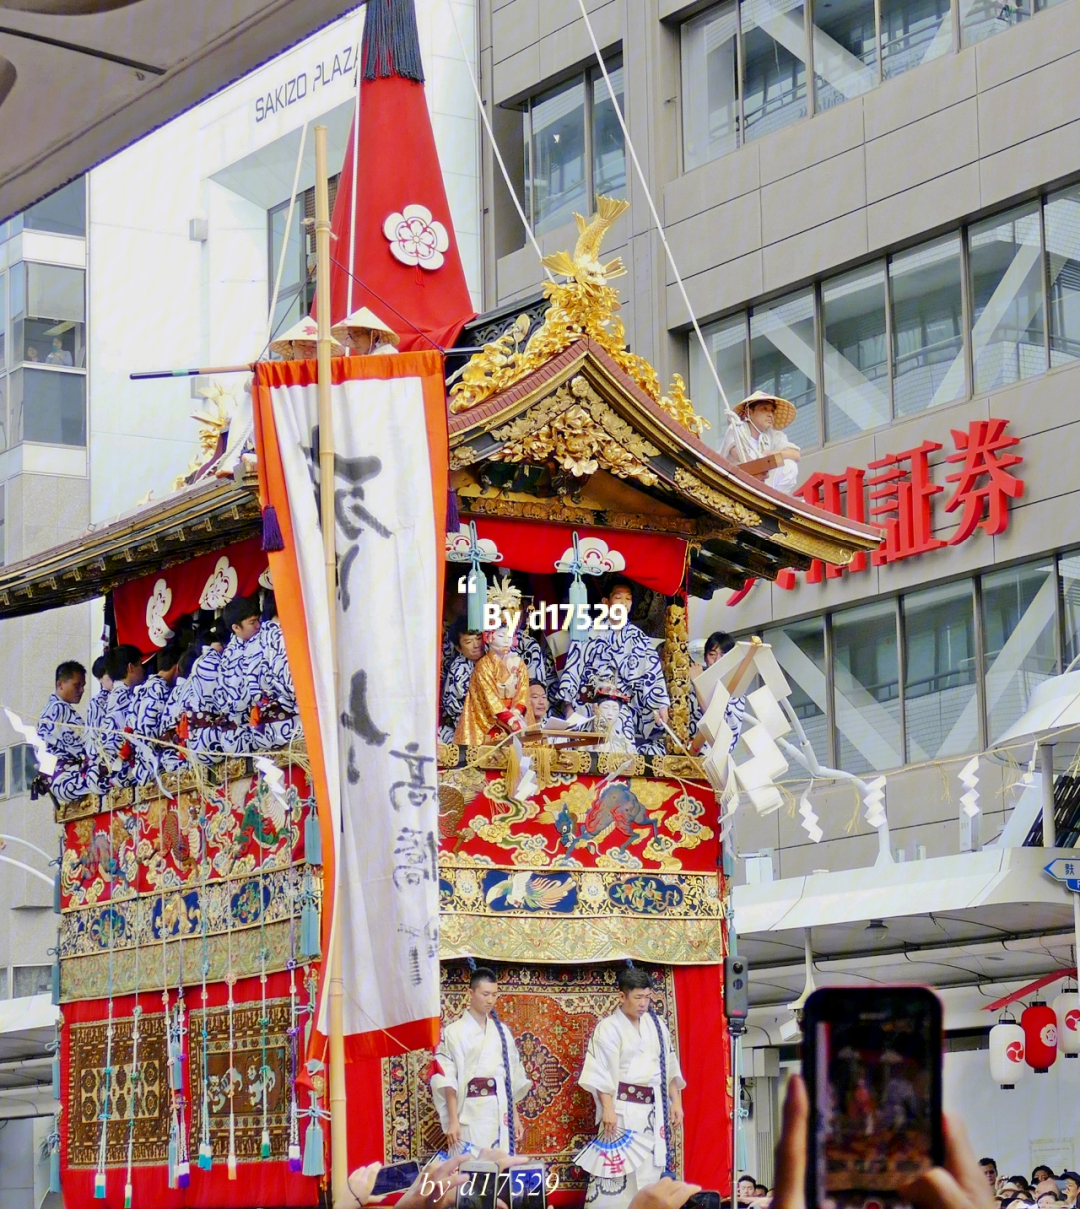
(82, 79)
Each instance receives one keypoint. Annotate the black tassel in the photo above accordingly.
(391, 44)
(453, 516)
(271, 530)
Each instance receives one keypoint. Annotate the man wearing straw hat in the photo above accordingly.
(365, 335)
(754, 431)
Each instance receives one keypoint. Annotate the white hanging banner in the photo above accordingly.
(379, 803)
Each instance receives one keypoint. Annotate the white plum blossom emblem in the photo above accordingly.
(416, 238)
(156, 608)
(220, 588)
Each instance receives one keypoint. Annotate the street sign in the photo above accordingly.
(1066, 871)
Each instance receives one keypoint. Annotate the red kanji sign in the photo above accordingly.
(985, 504)
(900, 491)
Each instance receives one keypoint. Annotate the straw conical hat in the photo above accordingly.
(363, 318)
(307, 329)
(784, 412)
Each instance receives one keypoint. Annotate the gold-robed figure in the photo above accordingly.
(497, 702)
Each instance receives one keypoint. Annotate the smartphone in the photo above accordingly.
(524, 1187)
(480, 1189)
(396, 1177)
(704, 1200)
(872, 1065)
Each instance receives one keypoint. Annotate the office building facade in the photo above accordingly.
(875, 208)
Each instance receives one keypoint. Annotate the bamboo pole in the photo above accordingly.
(339, 1163)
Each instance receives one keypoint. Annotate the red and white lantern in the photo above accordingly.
(1007, 1053)
(1067, 1011)
(1040, 1036)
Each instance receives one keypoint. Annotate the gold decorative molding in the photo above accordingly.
(559, 509)
(462, 456)
(814, 547)
(676, 662)
(714, 499)
(583, 307)
(575, 428)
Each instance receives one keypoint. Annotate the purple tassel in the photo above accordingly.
(271, 530)
(453, 516)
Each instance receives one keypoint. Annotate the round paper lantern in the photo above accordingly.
(1007, 1053)
(1040, 1036)
(1067, 1010)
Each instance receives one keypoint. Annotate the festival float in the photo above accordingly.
(209, 917)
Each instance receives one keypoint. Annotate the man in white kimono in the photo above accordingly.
(762, 417)
(629, 1058)
(479, 1079)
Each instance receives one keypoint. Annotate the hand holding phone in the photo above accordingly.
(872, 1063)
(480, 1187)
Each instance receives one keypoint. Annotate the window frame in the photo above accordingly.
(887, 258)
(897, 601)
(589, 76)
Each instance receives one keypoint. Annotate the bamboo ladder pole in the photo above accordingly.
(339, 1162)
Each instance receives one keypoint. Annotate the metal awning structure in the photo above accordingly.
(82, 79)
(979, 918)
(205, 516)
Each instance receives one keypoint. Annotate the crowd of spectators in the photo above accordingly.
(1045, 1188)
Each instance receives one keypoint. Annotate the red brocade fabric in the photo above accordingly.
(207, 582)
(84, 1047)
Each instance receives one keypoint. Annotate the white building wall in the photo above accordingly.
(159, 299)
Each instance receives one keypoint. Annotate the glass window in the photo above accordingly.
(1062, 222)
(800, 651)
(1019, 640)
(4, 988)
(866, 688)
(4, 442)
(293, 272)
(845, 50)
(913, 32)
(1007, 337)
(774, 53)
(854, 353)
(23, 767)
(1069, 575)
(608, 152)
(3, 317)
(940, 708)
(3, 559)
(710, 72)
(63, 211)
(558, 156)
(48, 313)
(48, 406)
(981, 19)
(727, 343)
(783, 361)
(31, 980)
(928, 338)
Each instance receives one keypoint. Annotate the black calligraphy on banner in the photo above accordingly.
(350, 514)
(417, 791)
(425, 942)
(415, 858)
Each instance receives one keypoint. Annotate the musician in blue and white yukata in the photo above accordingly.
(95, 711)
(274, 718)
(62, 729)
(147, 713)
(238, 669)
(627, 657)
(193, 711)
(716, 644)
(469, 646)
(479, 1078)
(124, 664)
(628, 1058)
